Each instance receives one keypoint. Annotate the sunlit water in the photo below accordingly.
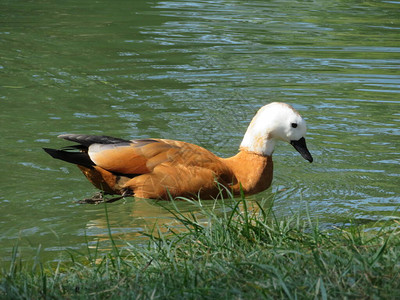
(195, 71)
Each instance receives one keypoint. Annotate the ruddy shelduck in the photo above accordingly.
(165, 169)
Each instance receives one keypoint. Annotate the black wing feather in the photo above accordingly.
(79, 158)
(87, 140)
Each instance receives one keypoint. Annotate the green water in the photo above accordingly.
(195, 71)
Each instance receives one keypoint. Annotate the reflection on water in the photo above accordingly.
(195, 71)
(162, 218)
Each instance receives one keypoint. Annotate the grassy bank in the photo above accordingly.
(231, 254)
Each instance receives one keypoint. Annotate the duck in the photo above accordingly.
(166, 169)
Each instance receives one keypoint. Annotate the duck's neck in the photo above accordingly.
(257, 142)
(252, 171)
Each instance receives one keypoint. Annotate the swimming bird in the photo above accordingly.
(162, 168)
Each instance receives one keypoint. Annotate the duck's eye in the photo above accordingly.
(294, 125)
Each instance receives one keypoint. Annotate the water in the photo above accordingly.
(194, 71)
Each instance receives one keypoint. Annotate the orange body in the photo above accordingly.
(165, 167)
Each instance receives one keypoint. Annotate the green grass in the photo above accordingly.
(229, 253)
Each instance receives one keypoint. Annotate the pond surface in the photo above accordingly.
(195, 71)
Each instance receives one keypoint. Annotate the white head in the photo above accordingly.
(273, 122)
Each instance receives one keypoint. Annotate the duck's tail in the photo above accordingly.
(78, 158)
